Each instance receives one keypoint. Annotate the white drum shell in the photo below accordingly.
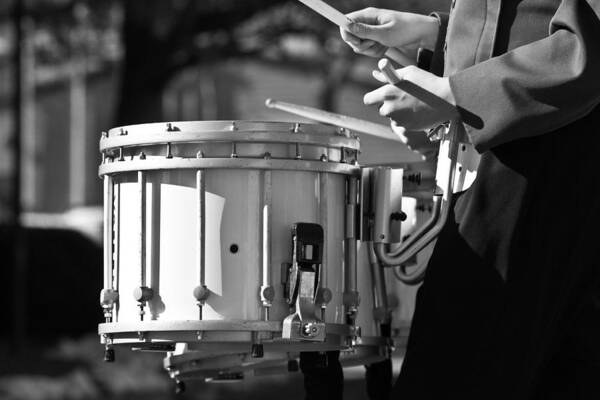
(234, 206)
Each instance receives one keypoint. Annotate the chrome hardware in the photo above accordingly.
(303, 283)
(439, 132)
(108, 298)
(344, 132)
(172, 128)
(201, 292)
(267, 292)
(351, 297)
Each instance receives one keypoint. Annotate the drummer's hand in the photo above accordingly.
(416, 141)
(406, 110)
(374, 30)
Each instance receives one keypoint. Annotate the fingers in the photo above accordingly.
(362, 46)
(366, 31)
(379, 95)
(379, 76)
(370, 23)
(349, 37)
(369, 15)
(387, 109)
(399, 131)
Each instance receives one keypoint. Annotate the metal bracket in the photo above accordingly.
(307, 242)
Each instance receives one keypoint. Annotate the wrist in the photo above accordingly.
(445, 91)
(431, 27)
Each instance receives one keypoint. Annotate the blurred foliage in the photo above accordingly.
(191, 30)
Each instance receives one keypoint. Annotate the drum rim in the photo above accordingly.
(229, 325)
(227, 125)
(250, 136)
(163, 163)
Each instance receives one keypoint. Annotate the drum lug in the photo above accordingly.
(142, 295)
(108, 298)
(201, 293)
(267, 294)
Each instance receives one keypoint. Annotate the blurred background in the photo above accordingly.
(70, 69)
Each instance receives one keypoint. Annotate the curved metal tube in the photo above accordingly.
(428, 232)
(379, 291)
(412, 239)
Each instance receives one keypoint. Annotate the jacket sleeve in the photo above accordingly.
(433, 60)
(437, 59)
(539, 87)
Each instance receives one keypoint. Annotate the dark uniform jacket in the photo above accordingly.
(510, 306)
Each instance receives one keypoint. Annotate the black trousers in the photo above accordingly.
(532, 332)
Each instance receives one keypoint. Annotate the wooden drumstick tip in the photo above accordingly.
(270, 103)
(385, 66)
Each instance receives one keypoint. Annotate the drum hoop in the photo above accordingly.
(163, 163)
(256, 137)
(134, 329)
(227, 125)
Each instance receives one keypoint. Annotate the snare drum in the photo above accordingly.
(198, 233)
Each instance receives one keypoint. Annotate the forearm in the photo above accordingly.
(536, 88)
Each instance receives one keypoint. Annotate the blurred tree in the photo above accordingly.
(161, 37)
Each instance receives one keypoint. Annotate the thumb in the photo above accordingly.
(366, 31)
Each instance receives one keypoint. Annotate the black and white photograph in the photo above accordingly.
(299, 199)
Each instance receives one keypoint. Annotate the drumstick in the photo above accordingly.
(415, 90)
(344, 121)
(343, 22)
(354, 124)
